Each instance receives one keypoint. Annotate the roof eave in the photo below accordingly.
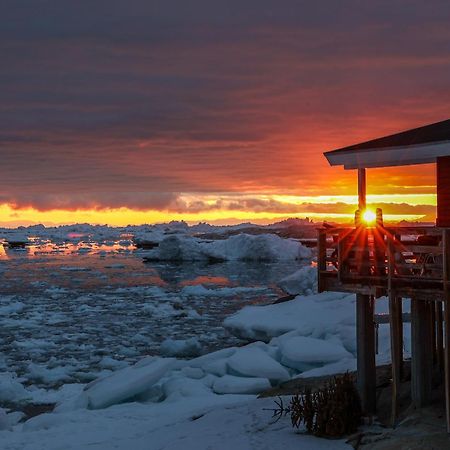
(389, 156)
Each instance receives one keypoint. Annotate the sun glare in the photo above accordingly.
(369, 216)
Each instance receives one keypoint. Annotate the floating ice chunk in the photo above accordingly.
(110, 363)
(241, 247)
(50, 375)
(181, 347)
(263, 247)
(12, 308)
(75, 268)
(303, 353)
(229, 384)
(180, 248)
(11, 390)
(16, 238)
(126, 383)
(301, 282)
(251, 361)
(201, 291)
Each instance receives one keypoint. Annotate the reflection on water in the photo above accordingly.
(70, 304)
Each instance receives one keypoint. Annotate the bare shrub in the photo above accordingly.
(332, 411)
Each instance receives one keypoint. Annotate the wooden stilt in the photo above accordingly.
(439, 336)
(396, 356)
(366, 352)
(422, 358)
(433, 340)
(400, 335)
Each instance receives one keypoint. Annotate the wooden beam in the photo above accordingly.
(365, 341)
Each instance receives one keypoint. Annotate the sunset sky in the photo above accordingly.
(149, 111)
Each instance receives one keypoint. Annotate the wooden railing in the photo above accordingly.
(375, 260)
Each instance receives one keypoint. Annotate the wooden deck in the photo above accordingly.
(373, 261)
(398, 263)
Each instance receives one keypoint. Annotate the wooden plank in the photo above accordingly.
(365, 340)
(422, 249)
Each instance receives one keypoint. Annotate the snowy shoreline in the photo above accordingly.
(308, 336)
(299, 345)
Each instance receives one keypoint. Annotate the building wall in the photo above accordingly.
(443, 192)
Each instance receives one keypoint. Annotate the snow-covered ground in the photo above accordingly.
(200, 423)
(208, 401)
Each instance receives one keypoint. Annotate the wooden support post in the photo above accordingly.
(422, 357)
(365, 331)
(439, 336)
(362, 189)
(400, 335)
(446, 279)
(396, 353)
(321, 259)
(433, 344)
(396, 332)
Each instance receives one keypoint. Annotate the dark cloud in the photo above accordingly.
(111, 102)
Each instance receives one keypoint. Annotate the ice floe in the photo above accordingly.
(241, 247)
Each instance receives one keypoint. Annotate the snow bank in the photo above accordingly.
(241, 247)
(314, 316)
